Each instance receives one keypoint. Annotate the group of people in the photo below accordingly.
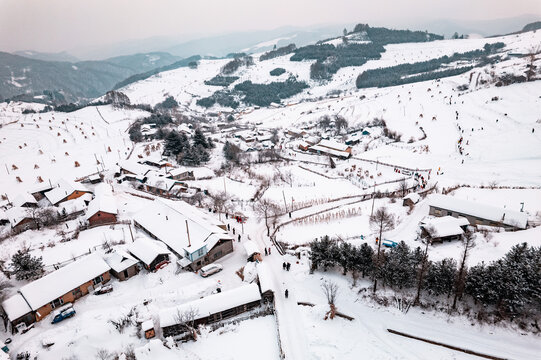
(286, 266)
(267, 251)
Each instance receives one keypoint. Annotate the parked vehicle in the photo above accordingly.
(389, 243)
(104, 289)
(210, 269)
(62, 313)
(22, 328)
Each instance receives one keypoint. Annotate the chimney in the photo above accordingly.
(188, 232)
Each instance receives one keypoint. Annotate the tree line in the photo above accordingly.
(190, 152)
(426, 70)
(281, 51)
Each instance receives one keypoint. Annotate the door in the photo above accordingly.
(126, 274)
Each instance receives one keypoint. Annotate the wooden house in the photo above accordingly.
(123, 265)
(36, 300)
(148, 328)
(102, 210)
(150, 253)
(211, 309)
(180, 174)
(66, 190)
(411, 199)
(195, 237)
(332, 148)
(25, 200)
(264, 281)
(477, 213)
(442, 229)
(20, 218)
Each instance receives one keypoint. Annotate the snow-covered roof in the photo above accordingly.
(177, 171)
(166, 220)
(483, 211)
(445, 226)
(413, 197)
(15, 307)
(63, 189)
(103, 189)
(72, 206)
(333, 145)
(160, 182)
(63, 280)
(133, 167)
(24, 198)
(146, 250)
(330, 151)
(120, 260)
(265, 277)
(17, 214)
(104, 203)
(147, 325)
(212, 304)
(251, 248)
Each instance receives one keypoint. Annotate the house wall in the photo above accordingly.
(25, 224)
(102, 218)
(224, 314)
(74, 195)
(132, 271)
(28, 319)
(222, 248)
(70, 296)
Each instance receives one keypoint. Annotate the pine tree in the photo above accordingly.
(441, 276)
(26, 266)
(365, 259)
(199, 139)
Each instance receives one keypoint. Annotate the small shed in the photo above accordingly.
(446, 228)
(150, 253)
(123, 265)
(25, 200)
(411, 199)
(265, 282)
(148, 329)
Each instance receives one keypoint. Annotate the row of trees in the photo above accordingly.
(236, 63)
(425, 70)
(511, 285)
(220, 80)
(265, 94)
(281, 51)
(277, 71)
(191, 153)
(160, 120)
(383, 36)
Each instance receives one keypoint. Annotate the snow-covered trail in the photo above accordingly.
(292, 335)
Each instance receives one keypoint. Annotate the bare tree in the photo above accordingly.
(424, 263)
(530, 67)
(330, 289)
(340, 123)
(382, 220)
(219, 201)
(402, 187)
(186, 320)
(324, 121)
(266, 208)
(468, 242)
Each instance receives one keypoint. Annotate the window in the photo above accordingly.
(98, 280)
(57, 302)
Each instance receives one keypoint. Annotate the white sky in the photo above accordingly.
(57, 25)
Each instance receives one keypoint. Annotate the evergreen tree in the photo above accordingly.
(26, 266)
(441, 276)
(365, 262)
(199, 139)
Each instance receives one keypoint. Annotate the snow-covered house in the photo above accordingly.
(132, 168)
(20, 218)
(163, 186)
(37, 299)
(73, 207)
(476, 213)
(180, 174)
(25, 200)
(123, 265)
(103, 209)
(66, 190)
(252, 251)
(332, 148)
(195, 237)
(296, 133)
(446, 228)
(150, 253)
(212, 308)
(411, 199)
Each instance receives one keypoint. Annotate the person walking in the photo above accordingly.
(269, 251)
(287, 293)
(288, 265)
(266, 252)
(239, 237)
(284, 265)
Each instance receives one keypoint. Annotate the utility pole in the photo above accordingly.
(373, 199)
(285, 203)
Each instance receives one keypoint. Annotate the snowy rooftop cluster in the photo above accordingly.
(63, 189)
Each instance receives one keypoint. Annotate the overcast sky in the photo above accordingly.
(57, 25)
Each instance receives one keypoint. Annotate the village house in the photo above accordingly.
(211, 309)
(180, 174)
(296, 133)
(446, 228)
(102, 209)
(66, 190)
(332, 148)
(192, 235)
(21, 219)
(132, 170)
(411, 199)
(75, 207)
(476, 213)
(38, 191)
(163, 186)
(150, 253)
(264, 281)
(252, 251)
(37, 299)
(25, 200)
(123, 265)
